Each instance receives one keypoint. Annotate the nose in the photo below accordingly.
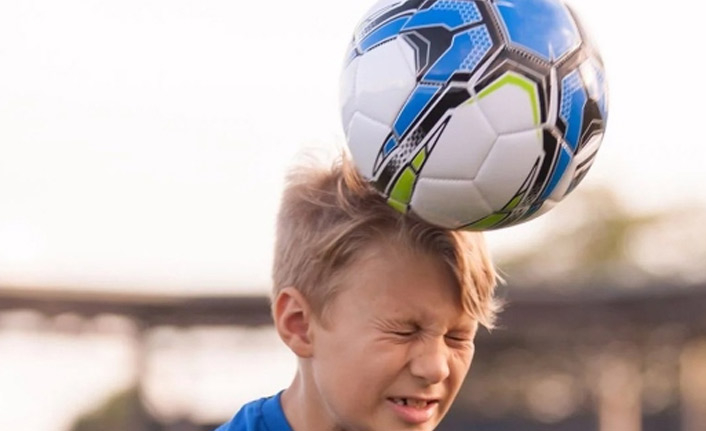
(430, 361)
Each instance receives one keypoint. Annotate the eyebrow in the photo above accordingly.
(392, 322)
(396, 322)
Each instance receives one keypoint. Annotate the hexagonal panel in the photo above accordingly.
(542, 27)
(508, 165)
(511, 103)
(347, 97)
(448, 203)
(462, 147)
(385, 80)
(365, 139)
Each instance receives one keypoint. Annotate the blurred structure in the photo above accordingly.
(604, 330)
(622, 362)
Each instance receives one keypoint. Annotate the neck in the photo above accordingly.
(303, 406)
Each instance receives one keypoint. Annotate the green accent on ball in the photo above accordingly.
(487, 222)
(402, 190)
(513, 203)
(419, 159)
(398, 206)
(520, 81)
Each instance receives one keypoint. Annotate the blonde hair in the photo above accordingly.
(328, 216)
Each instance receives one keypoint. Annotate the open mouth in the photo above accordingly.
(414, 410)
(413, 402)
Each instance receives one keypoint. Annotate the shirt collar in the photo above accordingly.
(274, 414)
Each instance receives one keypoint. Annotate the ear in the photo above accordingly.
(293, 320)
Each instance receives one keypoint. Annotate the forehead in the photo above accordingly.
(391, 281)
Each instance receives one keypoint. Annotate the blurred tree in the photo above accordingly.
(594, 239)
(123, 411)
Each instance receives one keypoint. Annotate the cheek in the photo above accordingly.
(366, 365)
(459, 366)
(360, 373)
(359, 387)
(339, 363)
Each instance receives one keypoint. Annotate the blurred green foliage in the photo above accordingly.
(123, 411)
(593, 238)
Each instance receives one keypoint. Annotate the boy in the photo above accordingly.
(380, 309)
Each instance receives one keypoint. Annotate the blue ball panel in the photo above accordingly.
(559, 170)
(544, 27)
(416, 103)
(573, 100)
(385, 32)
(390, 145)
(466, 51)
(450, 14)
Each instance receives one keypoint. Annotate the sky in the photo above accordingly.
(143, 144)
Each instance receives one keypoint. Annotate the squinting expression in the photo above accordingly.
(396, 345)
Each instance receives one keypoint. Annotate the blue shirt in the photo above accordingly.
(265, 414)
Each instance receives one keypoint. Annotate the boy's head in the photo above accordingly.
(380, 308)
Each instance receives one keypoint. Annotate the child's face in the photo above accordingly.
(396, 347)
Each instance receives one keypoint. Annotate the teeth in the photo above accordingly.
(416, 403)
(420, 404)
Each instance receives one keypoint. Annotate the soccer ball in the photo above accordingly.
(473, 114)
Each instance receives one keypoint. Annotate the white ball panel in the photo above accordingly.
(385, 80)
(448, 203)
(462, 147)
(365, 138)
(508, 109)
(410, 56)
(347, 93)
(508, 165)
(588, 73)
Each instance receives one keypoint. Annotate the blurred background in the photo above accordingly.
(143, 146)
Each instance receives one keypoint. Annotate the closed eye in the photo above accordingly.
(459, 339)
(404, 333)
